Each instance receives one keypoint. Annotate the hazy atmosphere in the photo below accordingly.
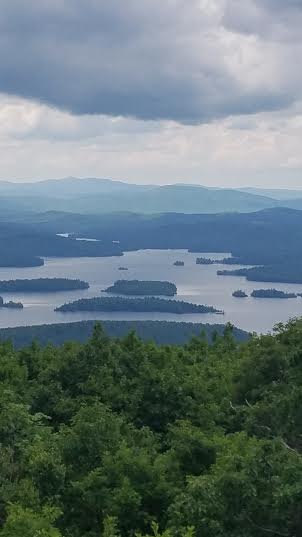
(150, 268)
(206, 91)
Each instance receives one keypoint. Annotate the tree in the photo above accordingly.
(26, 523)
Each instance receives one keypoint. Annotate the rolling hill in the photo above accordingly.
(88, 196)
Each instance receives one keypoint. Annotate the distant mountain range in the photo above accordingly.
(275, 193)
(95, 196)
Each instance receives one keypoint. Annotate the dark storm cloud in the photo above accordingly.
(150, 59)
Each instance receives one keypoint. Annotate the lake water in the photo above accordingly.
(196, 283)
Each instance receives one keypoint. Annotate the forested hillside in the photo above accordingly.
(162, 332)
(114, 437)
(269, 238)
(97, 196)
(23, 245)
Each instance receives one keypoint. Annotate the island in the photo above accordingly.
(122, 268)
(142, 288)
(205, 261)
(179, 263)
(236, 272)
(271, 293)
(142, 305)
(10, 304)
(239, 294)
(41, 285)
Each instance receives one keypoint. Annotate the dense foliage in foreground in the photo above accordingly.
(106, 437)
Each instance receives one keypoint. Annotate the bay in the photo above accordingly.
(196, 283)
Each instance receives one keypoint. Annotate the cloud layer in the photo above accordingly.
(37, 141)
(205, 91)
(186, 61)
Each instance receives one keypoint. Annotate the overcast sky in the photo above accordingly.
(152, 91)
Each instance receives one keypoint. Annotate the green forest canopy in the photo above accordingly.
(114, 437)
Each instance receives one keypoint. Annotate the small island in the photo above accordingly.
(237, 272)
(271, 293)
(142, 288)
(122, 268)
(13, 305)
(205, 261)
(179, 263)
(41, 285)
(239, 294)
(142, 305)
(10, 304)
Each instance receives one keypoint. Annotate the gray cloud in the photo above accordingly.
(146, 59)
(279, 20)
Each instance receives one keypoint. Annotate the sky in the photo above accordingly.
(152, 91)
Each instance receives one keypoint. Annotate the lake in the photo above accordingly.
(196, 283)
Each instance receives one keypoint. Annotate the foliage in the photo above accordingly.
(121, 437)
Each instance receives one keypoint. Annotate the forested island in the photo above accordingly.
(42, 285)
(141, 287)
(271, 293)
(105, 438)
(10, 304)
(142, 305)
(205, 261)
(239, 294)
(179, 263)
